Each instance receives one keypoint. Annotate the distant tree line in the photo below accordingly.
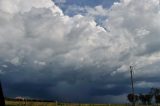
(145, 99)
(28, 100)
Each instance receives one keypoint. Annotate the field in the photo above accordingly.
(22, 103)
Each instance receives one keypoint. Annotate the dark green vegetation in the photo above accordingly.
(2, 101)
(146, 99)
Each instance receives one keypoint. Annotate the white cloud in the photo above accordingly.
(16, 6)
(36, 33)
(5, 66)
(144, 84)
(15, 61)
(97, 11)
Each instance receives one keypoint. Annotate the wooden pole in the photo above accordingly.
(131, 71)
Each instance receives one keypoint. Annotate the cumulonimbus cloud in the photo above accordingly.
(36, 37)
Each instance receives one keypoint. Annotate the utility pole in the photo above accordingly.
(131, 71)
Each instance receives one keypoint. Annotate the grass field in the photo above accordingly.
(22, 103)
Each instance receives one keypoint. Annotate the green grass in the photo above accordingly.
(22, 103)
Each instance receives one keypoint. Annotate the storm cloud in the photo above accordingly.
(46, 54)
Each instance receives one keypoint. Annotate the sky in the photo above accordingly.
(79, 50)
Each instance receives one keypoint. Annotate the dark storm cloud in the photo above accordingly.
(117, 90)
